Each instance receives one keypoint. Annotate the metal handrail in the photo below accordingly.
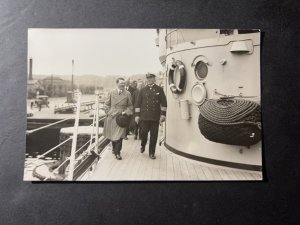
(93, 146)
(73, 158)
(46, 126)
(74, 140)
(52, 149)
(67, 159)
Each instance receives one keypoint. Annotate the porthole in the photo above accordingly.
(198, 94)
(201, 70)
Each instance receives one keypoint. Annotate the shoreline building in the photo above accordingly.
(33, 86)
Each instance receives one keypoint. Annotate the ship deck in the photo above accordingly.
(167, 166)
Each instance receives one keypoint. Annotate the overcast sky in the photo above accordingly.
(95, 51)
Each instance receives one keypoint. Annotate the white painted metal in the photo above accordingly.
(240, 74)
(74, 140)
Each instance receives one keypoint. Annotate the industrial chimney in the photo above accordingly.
(30, 69)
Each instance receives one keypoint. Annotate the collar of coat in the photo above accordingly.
(118, 97)
(119, 90)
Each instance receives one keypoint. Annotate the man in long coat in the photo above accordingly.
(131, 88)
(118, 102)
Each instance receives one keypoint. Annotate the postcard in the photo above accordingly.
(143, 105)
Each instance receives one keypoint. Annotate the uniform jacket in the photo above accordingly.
(151, 103)
(114, 105)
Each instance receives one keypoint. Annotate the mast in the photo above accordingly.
(51, 85)
(72, 75)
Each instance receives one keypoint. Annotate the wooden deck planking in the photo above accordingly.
(136, 162)
(105, 164)
(170, 167)
(122, 167)
(143, 165)
(132, 166)
(200, 173)
(149, 167)
(215, 173)
(192, 171)
(223, 174)
(184, 170)
(177, 169)
(257, 176)
(208, 173)
(163, 166)
(140, 168)
(167, 166)
(244, 176)
(231, 174)
(156, 166)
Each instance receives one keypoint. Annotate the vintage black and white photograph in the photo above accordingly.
(143, 105)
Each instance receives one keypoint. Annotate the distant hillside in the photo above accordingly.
(108, 82)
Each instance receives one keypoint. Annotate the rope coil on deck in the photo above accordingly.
(231, 121)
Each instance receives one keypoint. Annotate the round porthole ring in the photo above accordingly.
(198, 76)
(203, 90)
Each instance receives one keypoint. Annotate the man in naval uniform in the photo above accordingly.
(118, 102)
(150, 109)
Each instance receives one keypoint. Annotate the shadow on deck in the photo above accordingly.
(167, 166)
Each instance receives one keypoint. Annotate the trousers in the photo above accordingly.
(117, 146)
(151, 126)
(128, 128)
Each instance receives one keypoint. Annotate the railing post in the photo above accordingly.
(74, 139)
(97, 121)
(93, 125)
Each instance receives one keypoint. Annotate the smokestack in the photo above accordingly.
(30, 69)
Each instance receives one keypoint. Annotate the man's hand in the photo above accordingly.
(137, 119)
(162, 119)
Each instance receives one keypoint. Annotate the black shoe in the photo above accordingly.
(142, 149)
(135, 137)
(118, 157)
(152, 156)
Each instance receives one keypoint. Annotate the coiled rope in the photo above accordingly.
(229, 111)
(230, 121)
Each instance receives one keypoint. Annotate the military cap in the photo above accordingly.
(150, 75)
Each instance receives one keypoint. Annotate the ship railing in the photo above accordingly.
(46, 126)
(49, 151)
(92, 147)
(60, 144)
(91, 150)
(84, 106)
(94, 141)
(67, 159)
